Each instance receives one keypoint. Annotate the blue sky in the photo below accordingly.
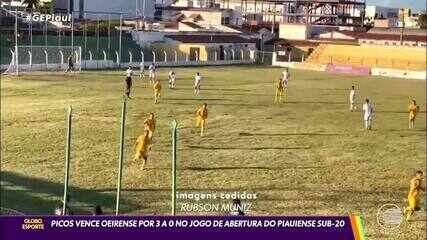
(415, 5)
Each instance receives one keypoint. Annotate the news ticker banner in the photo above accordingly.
(185, 227)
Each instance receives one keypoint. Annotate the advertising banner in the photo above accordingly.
(355, 70)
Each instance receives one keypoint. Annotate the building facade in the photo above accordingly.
(378, 12)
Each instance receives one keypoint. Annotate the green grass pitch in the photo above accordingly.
(306, 156)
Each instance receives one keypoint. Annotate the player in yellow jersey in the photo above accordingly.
(415, 187)
(413, 110)
(157, 89)
(141, 148)
(279, 91)
(150, 125)
(201, 116)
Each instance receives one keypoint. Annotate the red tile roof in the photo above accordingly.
(310, 43)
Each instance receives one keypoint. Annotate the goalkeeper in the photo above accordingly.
(70, 64)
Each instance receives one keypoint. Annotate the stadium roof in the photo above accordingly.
(210, 38)
(396, 30)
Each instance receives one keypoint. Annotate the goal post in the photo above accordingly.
(27, 59)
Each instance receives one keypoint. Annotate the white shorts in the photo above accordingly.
(152, 74)
(285, 84)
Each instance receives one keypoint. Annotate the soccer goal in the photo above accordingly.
(27, 59)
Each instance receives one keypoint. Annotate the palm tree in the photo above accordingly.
(31, 4)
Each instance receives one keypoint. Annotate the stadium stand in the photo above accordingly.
(408, 58)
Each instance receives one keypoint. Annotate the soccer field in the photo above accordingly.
(306, 156)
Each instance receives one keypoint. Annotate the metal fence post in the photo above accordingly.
(120, 166)
(173, 177)
(120, 40)
(67, 159)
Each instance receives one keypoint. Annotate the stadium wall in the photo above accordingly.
(349, 69)
(387, 72)
(363, 71)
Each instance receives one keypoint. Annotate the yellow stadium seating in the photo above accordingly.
(397, 57)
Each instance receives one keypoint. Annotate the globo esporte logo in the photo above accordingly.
(38, 17)
(33, 224)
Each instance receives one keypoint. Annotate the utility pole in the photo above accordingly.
(16, 42)
(403, 25)
(274, 19)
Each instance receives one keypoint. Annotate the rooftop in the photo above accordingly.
(209, 38)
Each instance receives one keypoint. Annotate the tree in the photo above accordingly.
(46, 8)
(31, 4)
(422, 20)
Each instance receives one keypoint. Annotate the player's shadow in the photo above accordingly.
(315, 102)
(389, 111)
(243, 104)
(201, 100)
(288, 134)
(247, 168)
(217, 103)
(334, 89)
(246, 94)
(226, 89)
(246, 148)
(407, 130)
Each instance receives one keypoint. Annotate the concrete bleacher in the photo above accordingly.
(395, 57)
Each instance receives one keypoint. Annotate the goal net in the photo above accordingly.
(44, 58)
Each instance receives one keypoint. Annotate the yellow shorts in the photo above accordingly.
(413, 202)
(200, 122)
(141, 154)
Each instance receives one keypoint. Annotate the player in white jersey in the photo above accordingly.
(285, 78)
(197, 83)
(128, 81)
(352, 99)
(172, 79)
(368, 114)
(152, 72)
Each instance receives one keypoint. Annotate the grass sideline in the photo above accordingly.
(307, 156)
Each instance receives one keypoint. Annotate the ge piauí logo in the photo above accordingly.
(38, 17)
